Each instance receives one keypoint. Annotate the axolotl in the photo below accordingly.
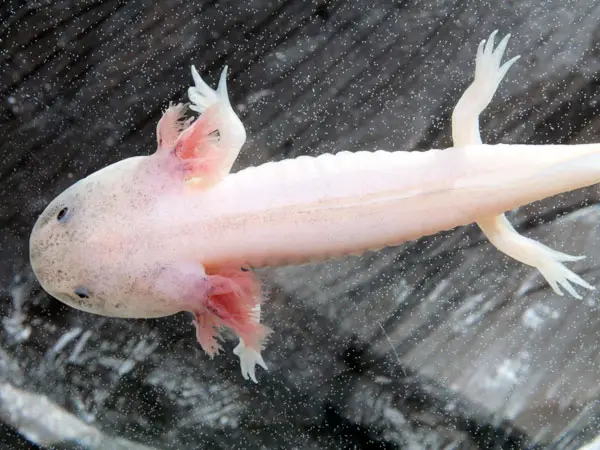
(151, 236)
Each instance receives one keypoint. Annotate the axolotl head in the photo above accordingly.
(79, 245)
(49, 251)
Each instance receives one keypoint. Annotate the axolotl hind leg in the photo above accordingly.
(465, 131)
(208, 146)
(488, 75)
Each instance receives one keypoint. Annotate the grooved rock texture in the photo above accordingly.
(440, 343)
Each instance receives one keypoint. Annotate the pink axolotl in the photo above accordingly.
(175, 231)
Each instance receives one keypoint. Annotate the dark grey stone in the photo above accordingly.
(440, 343)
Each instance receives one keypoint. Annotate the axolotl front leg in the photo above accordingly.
(225, 297)
(218, 297)
(465, 131)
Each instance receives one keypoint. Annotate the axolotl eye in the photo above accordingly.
(63, 214)
(82, 292)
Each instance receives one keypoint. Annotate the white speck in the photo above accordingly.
(593, 445)
(511, 371)
(11, 100)
(79, 346)
(394, 416)
(65, 339)
(537, 315)
(126, 367)
(507, 371)
(253, 98)
(382, 380)
(473, 309)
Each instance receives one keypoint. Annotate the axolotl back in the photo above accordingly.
(175, 231)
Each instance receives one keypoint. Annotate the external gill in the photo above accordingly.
(209, 146)
(233, 302)
(170, 126)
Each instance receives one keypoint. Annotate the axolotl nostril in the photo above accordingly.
(151, 236)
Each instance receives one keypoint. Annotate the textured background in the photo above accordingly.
(441, 343)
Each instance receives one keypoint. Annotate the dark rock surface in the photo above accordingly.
(441, 343)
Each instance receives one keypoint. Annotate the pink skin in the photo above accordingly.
(150, 236)
(233, 295)
(105, 246)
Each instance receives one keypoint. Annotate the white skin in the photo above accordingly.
(175, 231)
(497, 228)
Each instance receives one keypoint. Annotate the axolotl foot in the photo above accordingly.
(549, 262)
(488, 71)
(233, 301)
(249, 358)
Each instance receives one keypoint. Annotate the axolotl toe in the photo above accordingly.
(151, 236)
